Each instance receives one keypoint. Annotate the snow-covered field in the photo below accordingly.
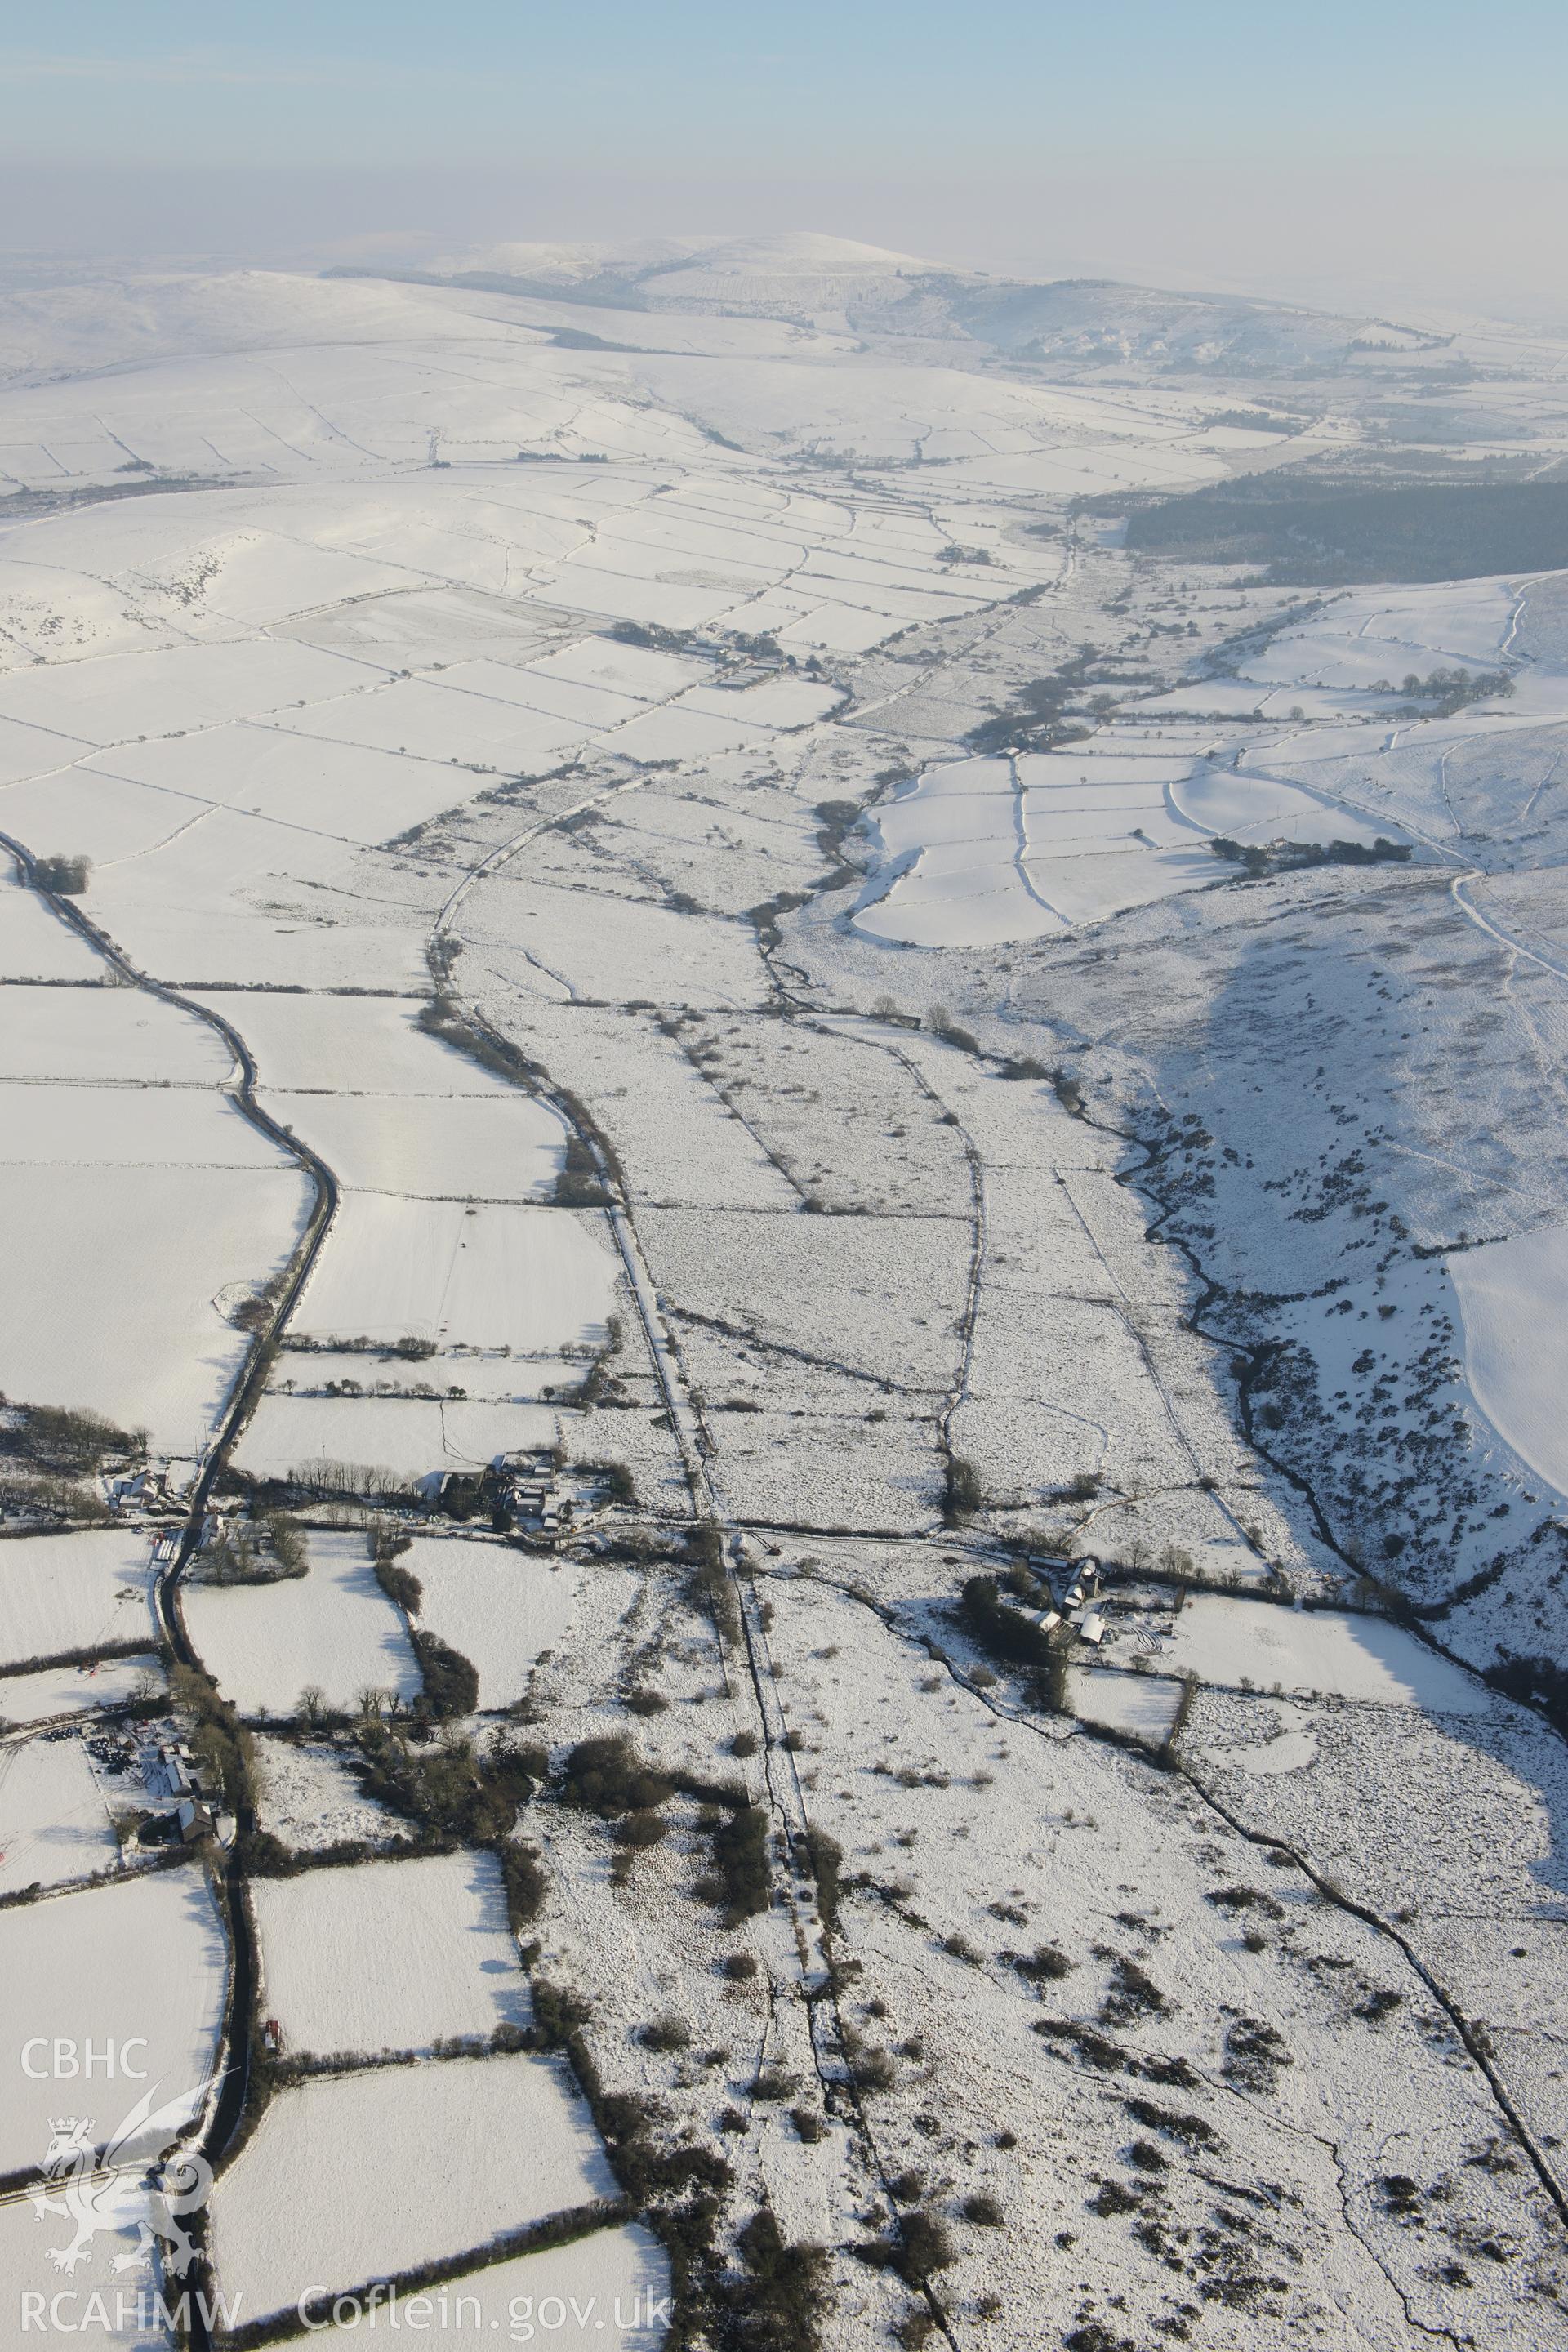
(140, 1963)
(120, 697)
(550, 728)
(307, 1798)
(1144, 1705)
(333, 1630)
(490, 1147)
(1513, 1299)
(35, 944)
(158, 1200)
(981, 853)
(54, 1824)
(62, 1691)
(388, 1956)
(115, 1310)
(494, 1275)
(356, 1045)
(358, 2177)
(534, 937)
(496, 1606)
(1317, 1652)
(78, 1591)
(785, 1277)
(347, 790)
(113, 1036)
(125, 1127)
(612, 2285)
(1381, 633)
(126, 2314)
(410, 1436)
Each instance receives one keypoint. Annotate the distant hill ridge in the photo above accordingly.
(818, 280)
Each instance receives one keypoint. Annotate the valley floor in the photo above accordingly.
(779, 1442)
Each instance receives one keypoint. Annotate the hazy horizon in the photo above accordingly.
(1390, 161)
(783, 935)
(1383, 249)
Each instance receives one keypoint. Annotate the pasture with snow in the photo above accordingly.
(782, 1472)
(357, 2178)
(391, 1955)
(142, 1961)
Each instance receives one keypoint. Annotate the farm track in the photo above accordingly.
(784, 1794)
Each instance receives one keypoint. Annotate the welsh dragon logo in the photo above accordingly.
(126, 2185)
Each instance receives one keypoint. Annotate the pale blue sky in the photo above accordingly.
(860, 87)
(1381, 150)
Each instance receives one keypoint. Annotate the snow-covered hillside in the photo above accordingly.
(780, 1468)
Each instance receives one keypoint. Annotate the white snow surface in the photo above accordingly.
(1513, 1297)
(307, 1798)
(334, 707)
(412, 1437)
(1222, 1640)
(360, 2176)
(54, 1824)
(494, 1604)
(333, 1628)
(981, 852)
(126, 2314)
(496, 1276)
(35, 944)
(1144, 1705)
(84, 1589)
(389, 1955)
(611, 2284)
(486, 1146)
(62, 1691)
(144, 1959)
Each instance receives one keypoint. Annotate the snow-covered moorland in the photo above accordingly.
(781, 1494)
